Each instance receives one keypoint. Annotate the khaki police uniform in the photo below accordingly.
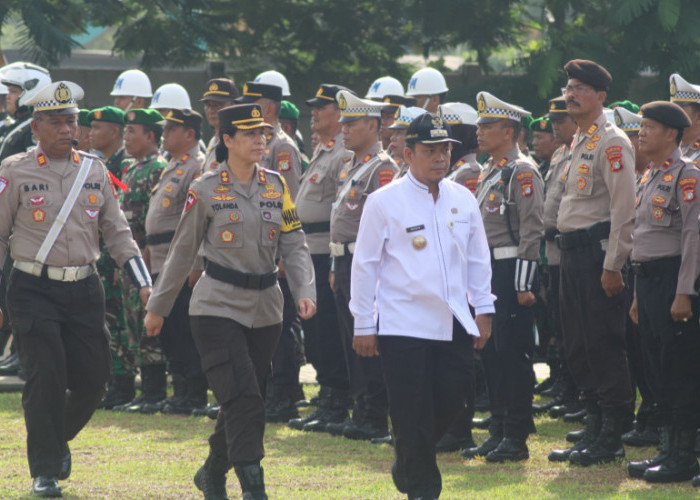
(167, 201)
(282, 154)
(595, 220)
(466, 171)
(241, 228)
(210, 162)
(554, 189)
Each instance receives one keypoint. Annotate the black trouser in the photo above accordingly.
(671, 349)
(63, 344)
(366, 379)
(285, 362)
(593, 327)
(507, 356)
(236, 359)
(176, 338)
(324, 347)
(427, 384)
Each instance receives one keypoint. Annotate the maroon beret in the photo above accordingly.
(589, 72)
(667, 113)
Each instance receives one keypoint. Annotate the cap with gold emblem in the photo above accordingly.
(144, 117)
(428, 129)
(391, 102)
(404, 117)
(541, 124)
(458, 113)
(185, 117)
(626, 120)
(557, 108)
(242, 116)
(253, 91)
(491, 109)
(58, 98)
(353, 108)
(326, 94)
(107, 114)
(220, 89)
(682, 91)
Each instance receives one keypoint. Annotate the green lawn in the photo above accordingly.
(124, 456)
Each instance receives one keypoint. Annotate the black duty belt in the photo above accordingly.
(584, 237)
(656, 266)
(316, 227)
(551, 234)
(237, 278)
(158, 238)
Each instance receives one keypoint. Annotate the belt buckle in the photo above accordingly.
(254, 281)
(70, 274)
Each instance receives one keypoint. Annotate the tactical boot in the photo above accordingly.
(194, 398)
(332, 410)
(681, 464)
(366, 431)
(544, 385)
(179, 390)
(509, 450)
(637, 469)
(449, 442)
(252, 481)
(575, 436)
(606, 448)
(210, 479)
(337, 428)
(153, 390)
(571, 406)
(576, 417)
(593, 425)
(121, 391)
(482, 423)
(211, 411)
(282, 410)
(642, 435)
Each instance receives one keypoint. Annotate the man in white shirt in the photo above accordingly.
(420, 260)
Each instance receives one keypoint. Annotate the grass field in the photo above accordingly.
(123, 456)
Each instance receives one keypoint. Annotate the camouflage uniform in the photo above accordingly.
(133, 347)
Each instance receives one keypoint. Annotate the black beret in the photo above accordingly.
(589, 72)
(667, 113)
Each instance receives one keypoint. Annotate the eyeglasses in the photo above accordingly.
(575, 89)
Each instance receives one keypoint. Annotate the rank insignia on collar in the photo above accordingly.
(330, 144)
(695, 145)
(667, 163)
(185, 158)
(179, 171)
(367, 158)
(591, 130)
(262, 178)
(503, 162)
(224, 177)
(41, 159)
(76, 160)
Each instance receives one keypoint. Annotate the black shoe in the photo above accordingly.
(576, 417)
(636, 470)
(555, 390)
(606, 448)
(205, 412)
(210, 479)
(299, 422)
(11, 366)
(184, 406)
(562, 409)
(481, 423)
(544, 385)
(337, 428)
(365, 431)
(46, 487)
(281, 411)
(590, 433)
(509, 450)
(66, 464)
(648, 436)
(449, 442)
(484, 449)
(562, 455)
(121, 391)
(681, 463)
(329, 417)
(575, 436)
(544, 407)
(388, 439)
(252, 481)
(138, 400)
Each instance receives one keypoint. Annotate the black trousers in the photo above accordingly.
(593, 328)
(236, 360)
(176, 338)
(285, 361)
(324, 347)
(670, 349)
(427, 384)
(365, 374)
(507, 356)
(63, 345)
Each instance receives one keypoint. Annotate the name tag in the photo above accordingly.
(413, 229)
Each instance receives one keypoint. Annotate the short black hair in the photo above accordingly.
(517, 128)
(156, 129)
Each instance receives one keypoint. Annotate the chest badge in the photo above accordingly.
(227, 236)
(454, 210)
(39, 215)
(165, 202)
(419, 242)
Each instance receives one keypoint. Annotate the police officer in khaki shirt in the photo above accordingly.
(322, 340)
(55, 297)
(369, 169)
(220, 94)
(595, 222)
(687, 96)
(242, 215)
(169, 196)
(665, 260)
(281, 153)
(510, 194)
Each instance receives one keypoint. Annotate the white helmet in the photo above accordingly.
(458, 113)
(274, 78)
(27, 76)
(171, 96)
(133, 82)
(427, 81)
(386, 85)
(4, 90)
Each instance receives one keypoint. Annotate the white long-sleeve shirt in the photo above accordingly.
(417, 290)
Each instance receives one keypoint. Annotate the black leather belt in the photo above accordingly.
(316, 227)
(158, 238)
(656, 266)
(237, 278)
(551, 234)
(584, 237)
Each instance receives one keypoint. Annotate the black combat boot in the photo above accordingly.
(491, 443)
(332, 409)
(250, 475)
(681, 463)
(575, 436)
(607, 447)
(643, 434)
(322, 402)
(594, 422)
(210, 479)
(195, 398)
(121, 391)
(153, 390)
(637, 469)
(509, 450)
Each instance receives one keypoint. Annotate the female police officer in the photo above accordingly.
(243, 216)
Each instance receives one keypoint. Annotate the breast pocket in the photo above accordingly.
(227, 230)
(90, 205)
(320, 186)
(662, 209)
(38, 205)
(270, 227)
(355, 199)
(583, 178)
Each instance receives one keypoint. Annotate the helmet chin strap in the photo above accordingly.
(133, 100)
(427, 101)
